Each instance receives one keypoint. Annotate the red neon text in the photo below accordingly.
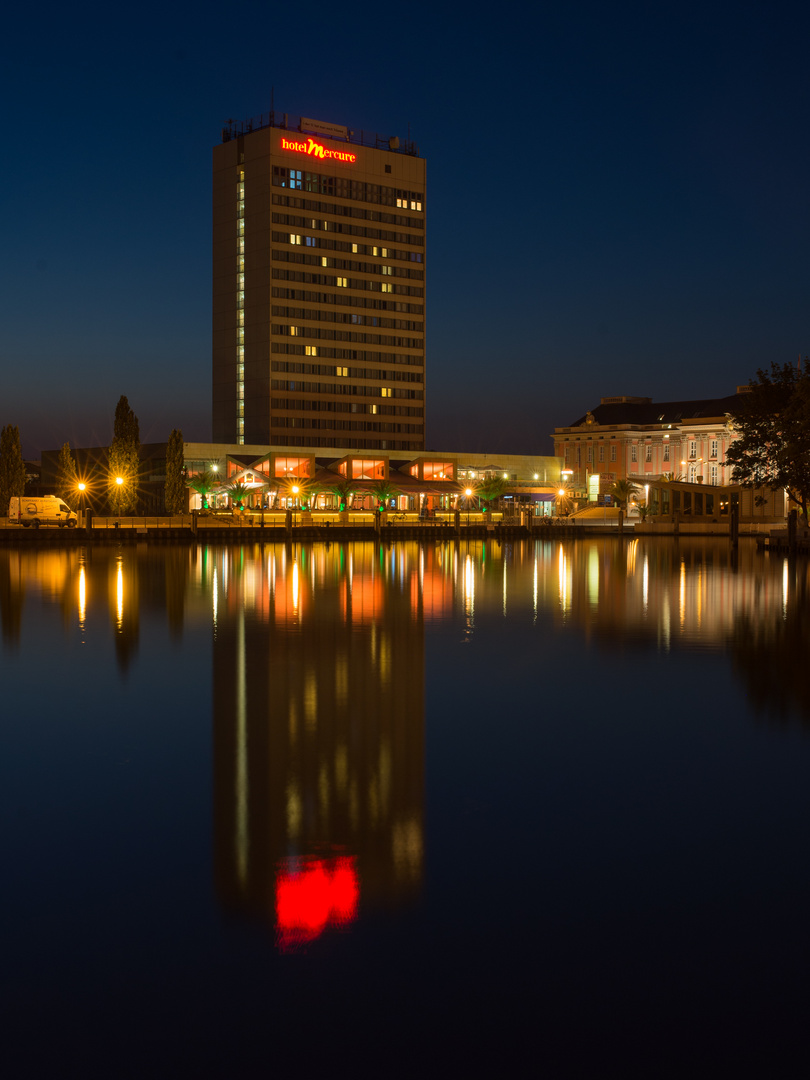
(313, 895)
(317, 150)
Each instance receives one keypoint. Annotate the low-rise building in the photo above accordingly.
(637, 439)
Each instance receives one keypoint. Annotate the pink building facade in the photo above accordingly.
(640, 440)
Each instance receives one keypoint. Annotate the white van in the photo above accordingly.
(48, 510)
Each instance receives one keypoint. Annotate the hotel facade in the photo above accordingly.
(318, 288)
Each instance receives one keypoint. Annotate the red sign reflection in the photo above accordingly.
(313, 894)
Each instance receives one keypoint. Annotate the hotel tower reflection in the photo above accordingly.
(318, 714)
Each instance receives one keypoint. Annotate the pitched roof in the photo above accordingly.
(661, 412)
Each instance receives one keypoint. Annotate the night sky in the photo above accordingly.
(617, 198)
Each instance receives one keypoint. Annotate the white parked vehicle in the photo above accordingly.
(47, 510)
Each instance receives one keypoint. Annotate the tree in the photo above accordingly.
(491, 489)
(67, 480)
(203, 483)
(12, 467)
(771, 447)
(175, 490)
(672, 478)
(342, 490)
(237, 493)
(383, 491)
(124, 459)
(623, 490)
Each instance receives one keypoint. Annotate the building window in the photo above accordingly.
(387, 270)
(691, 473)
(343, 372)
(386, 287)
(341, 282)
(648, 452)
(613, 453)
(579, 455)
(692, 449)
(565, 454)
(713, 476)
(590, 455)
(311, 350)
(295, 238)
(386, 391)
(666, 451)
(633, 453)
(713, 448)
(601, 453)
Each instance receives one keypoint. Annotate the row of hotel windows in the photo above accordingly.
(240, 285)
(346, 300)
(316, 315)
(343, 425)
(347, 283)
(302, 240)
(346, 335)
(321, 405)
(344, 372)
(316, 207)
(297, 221)
(348, 264)
(342, 187)
(343, 354)
(346, 388)
(344, 443)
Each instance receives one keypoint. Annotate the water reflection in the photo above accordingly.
(318, 700)
(318, 674)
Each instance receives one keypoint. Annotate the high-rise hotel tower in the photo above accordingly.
(319, 287)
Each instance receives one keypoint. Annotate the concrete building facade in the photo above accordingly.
(318, 287)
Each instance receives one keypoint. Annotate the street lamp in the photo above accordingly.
(295, 489)
(468, 493)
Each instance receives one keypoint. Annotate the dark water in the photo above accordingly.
(538, 808)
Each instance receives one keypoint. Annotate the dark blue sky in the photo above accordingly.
(617, 198)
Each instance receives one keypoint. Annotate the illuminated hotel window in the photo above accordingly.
(386, 287)
(295, 238)
(386, 391)
(354, 249)
(240, 408)
(292, 466)
(240, 245)
(240, 390)
(310, 241)
(342, 371)
(341, 282)
(386, 270)
(295, 331)
(240, 335)
(311, 350)
(240, 318)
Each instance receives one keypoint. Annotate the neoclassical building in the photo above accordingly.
(637, 439)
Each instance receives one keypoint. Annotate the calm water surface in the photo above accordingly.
(528, 808)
